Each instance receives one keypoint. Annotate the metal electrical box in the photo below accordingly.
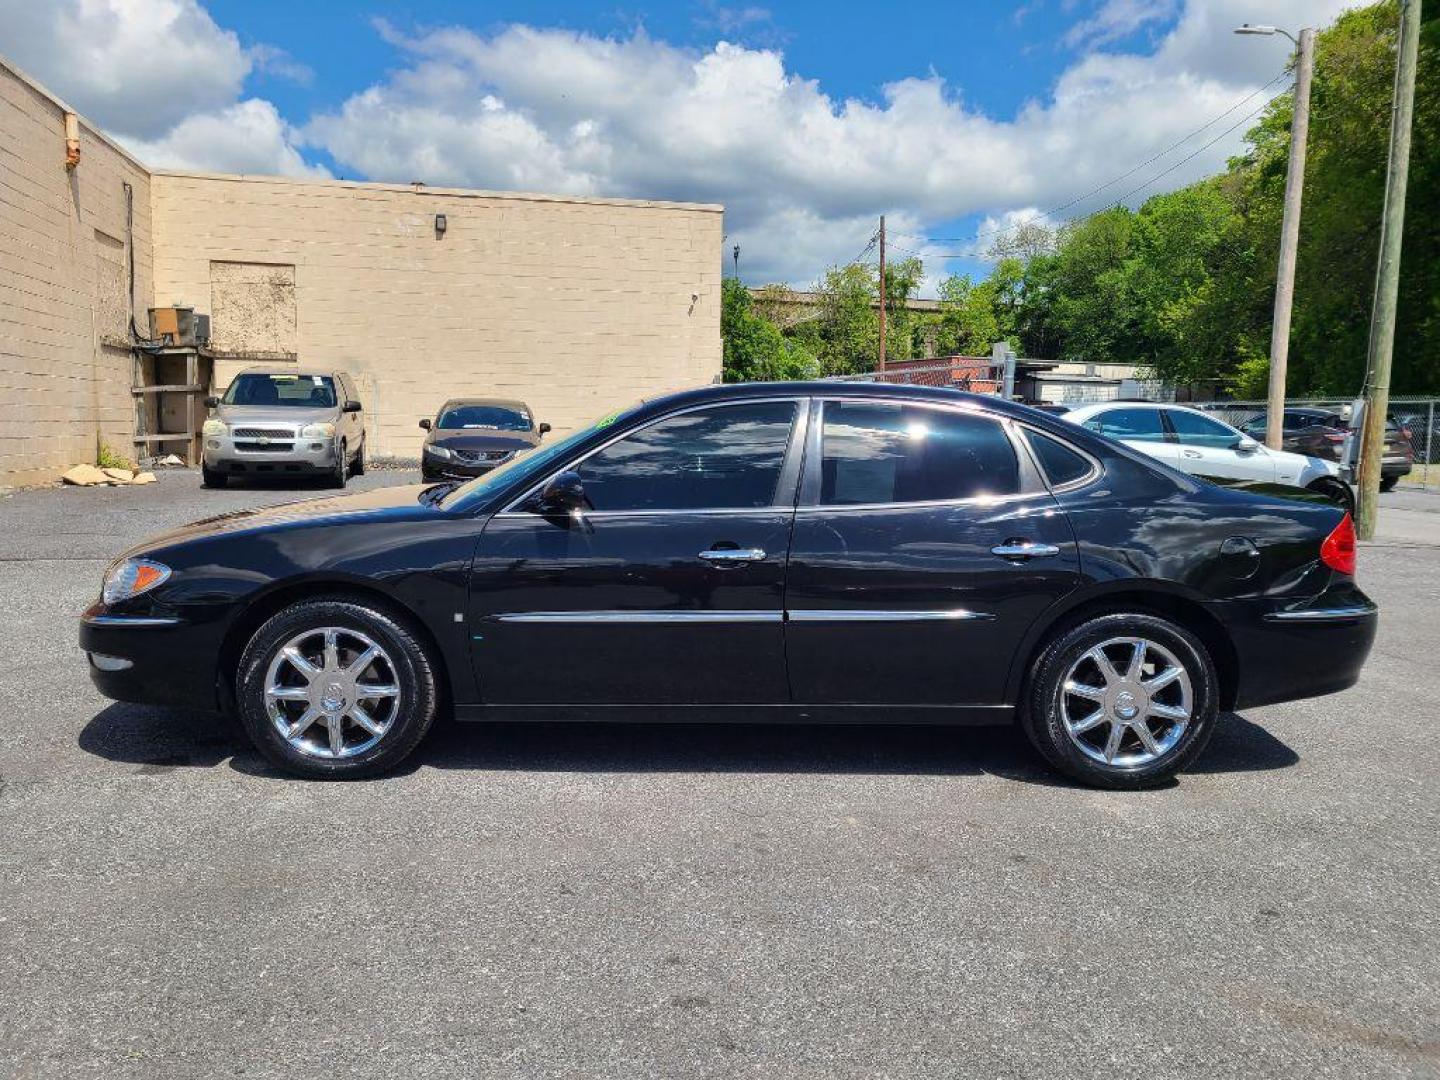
(173, 325)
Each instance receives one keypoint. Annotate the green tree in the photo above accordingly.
(753, 348)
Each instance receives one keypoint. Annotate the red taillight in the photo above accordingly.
(1337, 437)
(1338, 550)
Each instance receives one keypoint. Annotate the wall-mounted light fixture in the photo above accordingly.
(440, 224)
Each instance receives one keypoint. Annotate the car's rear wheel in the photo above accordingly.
(1387, 483)
(210, 478)
(1122, 700)
(1337, 491)
(336, 689)
(357, 467)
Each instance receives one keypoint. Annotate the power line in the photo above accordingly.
(1125, 175)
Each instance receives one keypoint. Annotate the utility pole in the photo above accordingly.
(1387, 270)
(882, 292)
(1289, 229)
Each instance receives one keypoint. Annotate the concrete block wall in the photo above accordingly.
(577, 306)
(65, 364)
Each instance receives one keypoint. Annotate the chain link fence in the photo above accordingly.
(1419, 416)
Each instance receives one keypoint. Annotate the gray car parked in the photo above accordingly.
(269, 423)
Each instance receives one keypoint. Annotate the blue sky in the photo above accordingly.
(806, 120)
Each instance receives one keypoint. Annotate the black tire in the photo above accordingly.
(1044, 721)
(341, 475)
(1387, 483)
(211, 479)
(413, 669)
(357, 467)
(429, 477)
(1337, 491)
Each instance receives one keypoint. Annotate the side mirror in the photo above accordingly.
(425, 423)
(564, 494)
(1246, 445)
(544, 430)
(212, 402)
(352, 406)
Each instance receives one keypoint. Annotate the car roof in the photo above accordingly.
(501, 403)
(298, 373)
(828, 388)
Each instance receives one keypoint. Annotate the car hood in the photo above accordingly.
(479, 439)
(383, 504)
(280, 415)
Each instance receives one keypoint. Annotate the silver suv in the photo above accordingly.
(274, 423)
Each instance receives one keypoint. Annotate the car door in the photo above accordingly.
(669, 590)
(925, 546)
(1210, 448)
(1140, 426)
(354, 422)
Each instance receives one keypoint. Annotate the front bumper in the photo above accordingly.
(151, 660)
(434, 468)
(1304, 650)
(227, 454)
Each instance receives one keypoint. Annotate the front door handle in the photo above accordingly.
(1024, 549)
(733, 556)
(1192, 453)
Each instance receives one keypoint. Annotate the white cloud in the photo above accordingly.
(1116, 19)
(247, 137)
(803, 174)
(160, 76)
(137, 67)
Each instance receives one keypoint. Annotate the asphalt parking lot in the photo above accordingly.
(631, 901)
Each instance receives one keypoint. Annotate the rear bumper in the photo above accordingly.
(1300, 651)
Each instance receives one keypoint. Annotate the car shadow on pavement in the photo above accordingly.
(159, 740)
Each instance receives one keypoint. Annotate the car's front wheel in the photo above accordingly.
(341, 472)
(334, 688)
(1122, 700)
(1387, 483)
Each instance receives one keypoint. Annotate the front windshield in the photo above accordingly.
(285, 391)
(485, 417)
(530, 464)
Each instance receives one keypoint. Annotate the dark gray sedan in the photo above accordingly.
(470, 436)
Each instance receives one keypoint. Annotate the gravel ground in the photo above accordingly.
(586, 901)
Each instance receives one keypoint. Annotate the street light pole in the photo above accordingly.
(1289, 229)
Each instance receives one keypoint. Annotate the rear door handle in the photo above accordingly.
(1024, 549)
(733, 556)
(1192, 453)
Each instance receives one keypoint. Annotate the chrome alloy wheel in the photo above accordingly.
(1126, 702)
(332, 692)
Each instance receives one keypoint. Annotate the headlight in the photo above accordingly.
(214, 427)
(438, 451)
(318, 431)
(131, 578)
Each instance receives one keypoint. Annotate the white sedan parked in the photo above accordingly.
(1193, 442)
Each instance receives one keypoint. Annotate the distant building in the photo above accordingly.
(576, 305)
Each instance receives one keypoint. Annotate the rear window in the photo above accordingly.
(874, 452)
(296, 391)
(1061, 464)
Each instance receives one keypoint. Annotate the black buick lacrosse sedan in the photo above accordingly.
(790, 552)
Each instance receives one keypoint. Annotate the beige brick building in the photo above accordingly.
(575, 305)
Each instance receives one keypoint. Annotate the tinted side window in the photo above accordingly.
(1061, 464)
(1138, 425)
(724, 458)
(1196, 430)
(878, 453)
